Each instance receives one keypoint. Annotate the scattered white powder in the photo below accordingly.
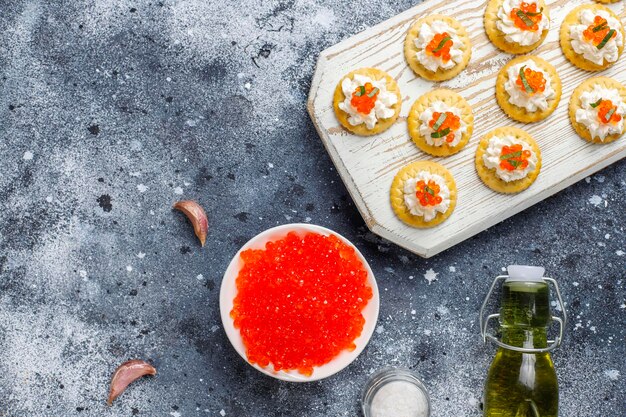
(129, 268)
(222, 413)
(596, 200)
(28, 155)
(380, 329)
(452, 269)
(175, 414)
(620, 253)
(178, 190)
(430, 276)
(142, 188)
(399, 399)
(49, 199)
(612, 374)
(141, 255)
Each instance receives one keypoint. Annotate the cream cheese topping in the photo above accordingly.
(413, 204)
(513, 34)
(427, 116)
(426, 34)
(491, 157)
(518, 97)
(383, 108)
(587, 49)
(588, 116)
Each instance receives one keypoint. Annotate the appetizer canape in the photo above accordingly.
(517, 26)
(592, 37)
(437, 48)
(528, 89)
(367, 101)
(597, 109)
(423, 194)
(508, 160)
(440, 122)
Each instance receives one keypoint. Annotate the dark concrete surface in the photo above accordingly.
(112, 110)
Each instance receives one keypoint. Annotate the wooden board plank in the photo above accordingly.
(368, 165)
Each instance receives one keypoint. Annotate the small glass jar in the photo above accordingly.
(385, 376)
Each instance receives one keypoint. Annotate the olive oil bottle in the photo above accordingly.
(522, 381)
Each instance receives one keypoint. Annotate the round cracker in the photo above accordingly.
(520, 113)
(566, 44)
(607, 1)
(397, 193)
(575, 104)
(381, 124)
(410, 50)
(451, 99)
(497, 37)
(489, 176)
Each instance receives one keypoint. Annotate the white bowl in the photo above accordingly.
(228, 292)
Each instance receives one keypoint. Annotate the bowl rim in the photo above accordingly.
(228, 291)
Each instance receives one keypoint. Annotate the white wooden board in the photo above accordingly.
(367, 165)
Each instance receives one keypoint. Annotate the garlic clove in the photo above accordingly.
(126, 373)
(196, 215)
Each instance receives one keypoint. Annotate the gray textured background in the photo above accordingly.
(112, 110)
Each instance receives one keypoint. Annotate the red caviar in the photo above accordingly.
(299, 301)
(604, 108)
(514, 157)
(452, 122)
(597, 31)
(364, 98)
(428, 194)
(531, 15)
(535, 80)
(440, 46)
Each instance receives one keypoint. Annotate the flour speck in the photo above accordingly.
(612, 374)
(141, 255)
(430, 276)
(28, 155)
(142, 188)
(620, 253)
(596, 200)
(178, 190)
(129, 268)
(222, 413)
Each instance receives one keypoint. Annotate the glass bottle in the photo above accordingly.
(522, 381)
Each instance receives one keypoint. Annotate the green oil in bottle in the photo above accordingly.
(523, 384)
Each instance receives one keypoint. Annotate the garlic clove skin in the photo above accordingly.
(126, 373)
(196, 215)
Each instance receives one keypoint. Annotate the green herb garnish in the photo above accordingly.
(441, 133)
(442, 118)
(511, 155)
(525, 83)
(606, 39)
(533, 14)
(373, 92)
(609, 114)
(442, 43)
(429, 190)
(600, 27)
(514, 162)
(361, 91)
(522, 15)
(596, 104)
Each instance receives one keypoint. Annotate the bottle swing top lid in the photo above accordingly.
(525, 273)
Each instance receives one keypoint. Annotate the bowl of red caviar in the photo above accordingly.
(299, 302)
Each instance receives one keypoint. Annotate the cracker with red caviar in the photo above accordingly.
(397, 193)
(531, 84)
(489, 176)
(575, 104)
(440, 44)
(572, 19)
(451, 99)
(497, 37)
(382, 124)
